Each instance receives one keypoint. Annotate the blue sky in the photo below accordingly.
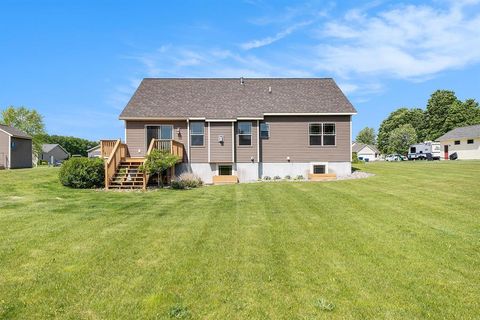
(78, 62)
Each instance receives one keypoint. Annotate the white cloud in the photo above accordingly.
(212, 62)
(269, 40)
(407, 42)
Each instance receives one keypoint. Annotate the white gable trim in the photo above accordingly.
(6, 132)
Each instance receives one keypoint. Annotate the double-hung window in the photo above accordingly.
(322, 134)
(315, 134)
(329, 134)
(264, 130)
(245, 133)
(197, 134)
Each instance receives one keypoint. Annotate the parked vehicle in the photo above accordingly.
(395, 157)
(427, 150)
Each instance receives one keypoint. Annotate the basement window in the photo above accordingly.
(457, 142)
(319, 169)
(470, 141)
(224, 170)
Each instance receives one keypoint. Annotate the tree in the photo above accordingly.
(438, 109)
(366, 135)
(415, 117)
(157, 162)
(27, 120)
(401, 138)
(462, 114)
(72, 144)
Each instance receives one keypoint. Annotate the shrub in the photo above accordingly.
(82, 173)
(277, 178)
(267, 178)
(355, 158)
(187, 181)
(299, 177)
(288, 177)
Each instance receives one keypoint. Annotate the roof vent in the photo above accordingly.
(242, 81)
(270, 89)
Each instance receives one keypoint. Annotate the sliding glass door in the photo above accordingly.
(163, 132)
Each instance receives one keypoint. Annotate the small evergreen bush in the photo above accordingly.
(277, 178)
(82, 173)
(267, 178)
(288, 177)
(299, 177)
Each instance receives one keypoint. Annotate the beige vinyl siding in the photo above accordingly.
(22, 153)
(4, 147)
(199, 154)
(244, 153)
(221, 152)
(289, 137)
(137, 139)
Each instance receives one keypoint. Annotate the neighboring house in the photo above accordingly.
(15, 148)
(53, 153)
(464, 141)
(365, 152)
(94, 152)
(244, 129)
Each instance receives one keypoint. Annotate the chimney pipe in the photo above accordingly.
(242, 81)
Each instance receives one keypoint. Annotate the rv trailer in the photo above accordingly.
(427, 150)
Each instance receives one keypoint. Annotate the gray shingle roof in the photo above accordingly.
(47, 147)
(227, 98)
(14, 132)
(462, 133)
(357, 147)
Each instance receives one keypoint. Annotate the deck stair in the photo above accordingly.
(122, 171)
(128, 176)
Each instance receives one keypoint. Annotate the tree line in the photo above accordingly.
(31, 122)
(406, 126)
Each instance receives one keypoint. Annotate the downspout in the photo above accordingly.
(208, 147)
(188, 141)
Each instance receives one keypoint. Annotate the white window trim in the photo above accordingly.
(260, 132)
(217, 169)
(197, 134)
(319, 164)
(10, 151)
(156, 125)
(245, 134)
(322, 134)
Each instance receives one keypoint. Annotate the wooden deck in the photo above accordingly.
(122, 171)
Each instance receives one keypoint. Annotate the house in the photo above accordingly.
(230, 129)
(15, 148)
(464, 141)
(94, 152)
(365, 152)
(53, 153)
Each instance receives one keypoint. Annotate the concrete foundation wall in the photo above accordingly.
(205, 171)
(253, 171)
(248, 172)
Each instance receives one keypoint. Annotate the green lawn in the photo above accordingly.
(403, 244)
